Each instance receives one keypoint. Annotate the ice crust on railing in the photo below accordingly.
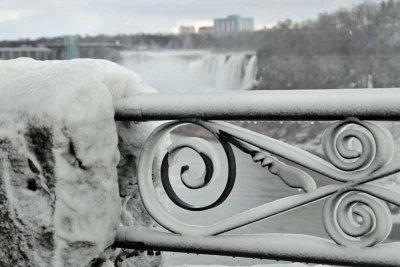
(59, 195)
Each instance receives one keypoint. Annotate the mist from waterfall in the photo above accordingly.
(193, 70)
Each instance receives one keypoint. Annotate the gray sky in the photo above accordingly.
(38, 18)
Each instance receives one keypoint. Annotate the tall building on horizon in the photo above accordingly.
(71, 44)
(233, 24)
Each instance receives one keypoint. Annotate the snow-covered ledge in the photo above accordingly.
(60, 203)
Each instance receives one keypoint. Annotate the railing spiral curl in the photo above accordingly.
(376, 146)
(196, 183)
(356, 219)
(211, 173)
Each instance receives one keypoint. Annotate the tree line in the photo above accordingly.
(366, 28)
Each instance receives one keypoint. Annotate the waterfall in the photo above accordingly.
(194, 70)
(226, 72)
(249, 79)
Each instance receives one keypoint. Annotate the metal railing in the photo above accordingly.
(356, 214)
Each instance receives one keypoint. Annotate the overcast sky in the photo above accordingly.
(38, 18)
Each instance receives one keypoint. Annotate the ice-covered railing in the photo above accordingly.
(356, 212)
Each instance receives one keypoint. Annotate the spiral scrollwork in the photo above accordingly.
(355, 213)
(197, 183)
(192, 181)
(375, 146)
(356, 219)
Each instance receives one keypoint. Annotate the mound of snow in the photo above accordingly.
(59, 194)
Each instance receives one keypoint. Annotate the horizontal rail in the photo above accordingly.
(267, 246)
(335, 104)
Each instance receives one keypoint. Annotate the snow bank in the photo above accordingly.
(59, 198)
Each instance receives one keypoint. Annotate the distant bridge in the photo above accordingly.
(39, 53)
(110, 45)
(50, 51)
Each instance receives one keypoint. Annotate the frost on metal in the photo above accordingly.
(59, 198)
(357, 153)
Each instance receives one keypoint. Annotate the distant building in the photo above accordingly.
(71, 46)
(233, 24)
(206, 30)
(186, 29)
